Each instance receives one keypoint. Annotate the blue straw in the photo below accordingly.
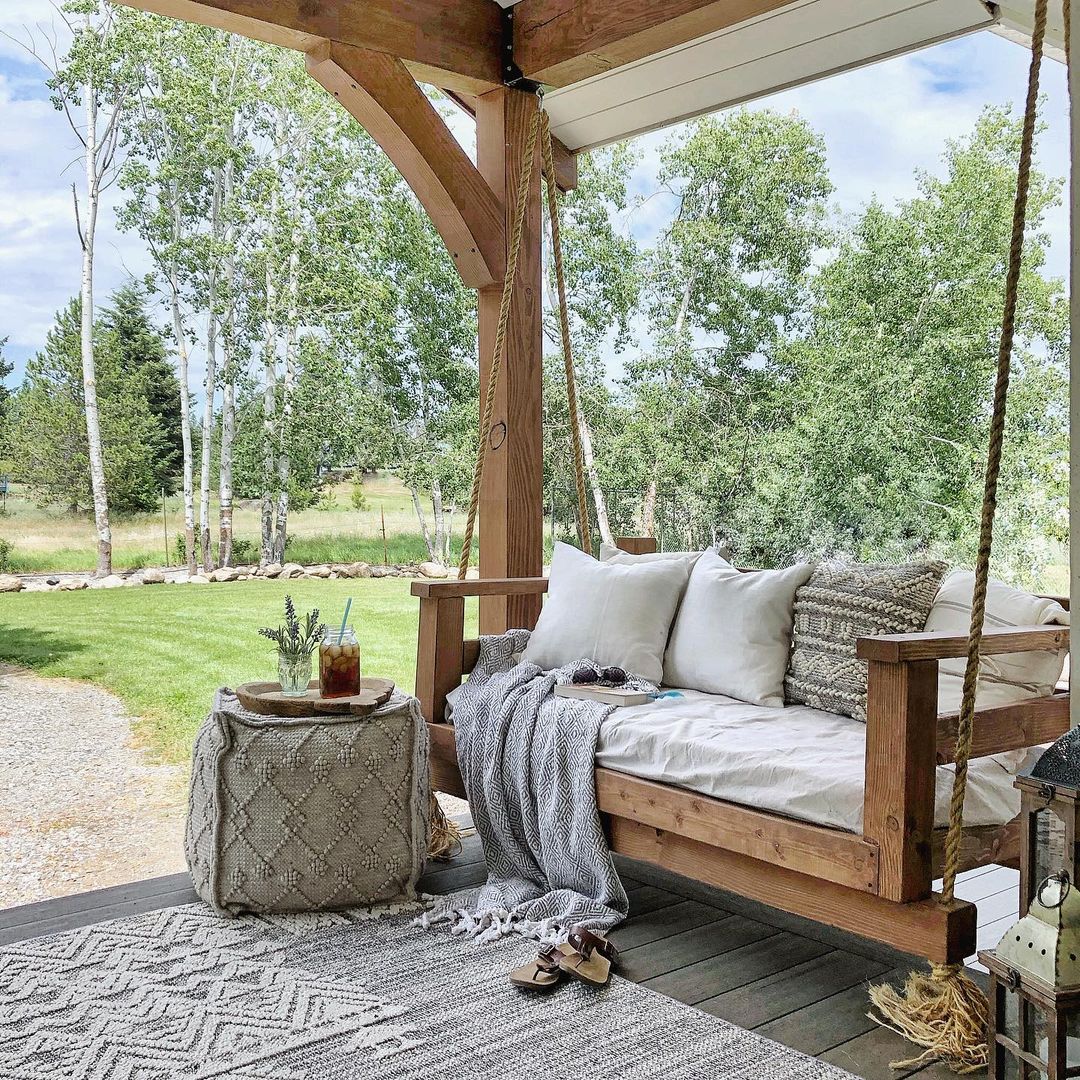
(344, 621)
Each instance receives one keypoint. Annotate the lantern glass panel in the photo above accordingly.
(1050, 854)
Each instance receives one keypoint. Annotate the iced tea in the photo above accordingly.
(339, 664)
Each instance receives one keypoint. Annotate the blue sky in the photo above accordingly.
(880, 124)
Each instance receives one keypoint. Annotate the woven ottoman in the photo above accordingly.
(310, 814)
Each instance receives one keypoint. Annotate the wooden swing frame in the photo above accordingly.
(878, 884)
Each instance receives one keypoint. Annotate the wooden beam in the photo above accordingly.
(511, 498)
(1006, 727)
(938, 645)
(980, 845)
(378, 90)
(450, 43)
(559, 42)
(943, 933)
(566, 171)
(829, 854)
(898, 799)
(482, 587)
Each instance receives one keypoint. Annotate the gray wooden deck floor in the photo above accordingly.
(791, 980)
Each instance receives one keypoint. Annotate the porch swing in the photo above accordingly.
(877, 884)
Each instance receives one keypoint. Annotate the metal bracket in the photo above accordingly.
(512, 75)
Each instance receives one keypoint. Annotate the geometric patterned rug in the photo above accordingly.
(184, 992)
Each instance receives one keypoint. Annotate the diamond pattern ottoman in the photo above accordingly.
(293, 814)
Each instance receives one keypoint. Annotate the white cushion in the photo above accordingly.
(611, 554)
(733, 633)
(1006, 679)
(607, 612)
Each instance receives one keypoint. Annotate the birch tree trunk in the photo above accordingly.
(439, 542)
(209, 384)
(420, 516)
(185, 423)
(648, 509)
(228, 398)
(602, 522)
(284, 461)
(86, 336)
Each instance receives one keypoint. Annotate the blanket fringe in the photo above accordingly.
(493, 925)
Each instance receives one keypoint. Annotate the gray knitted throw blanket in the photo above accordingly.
(527, 759)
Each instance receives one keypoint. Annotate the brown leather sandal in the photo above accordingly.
(543, 973)
(587, 956)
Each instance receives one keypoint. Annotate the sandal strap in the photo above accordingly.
(585, 942)
(547, 959)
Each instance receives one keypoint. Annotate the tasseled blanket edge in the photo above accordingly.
(493, 924)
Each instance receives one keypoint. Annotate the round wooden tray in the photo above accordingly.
(266, 699)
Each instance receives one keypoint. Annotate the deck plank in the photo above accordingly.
(792, 989)
(662, 923)
(771, 952)
(681, 951)
(871, 1055)
(830, 1022)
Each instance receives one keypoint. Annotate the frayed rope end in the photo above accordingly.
(942, 1010)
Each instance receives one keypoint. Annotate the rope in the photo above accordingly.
(564, 326)
(945, 1012)
(993, 460)
(528, 155)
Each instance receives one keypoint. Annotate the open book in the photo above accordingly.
(609, 695)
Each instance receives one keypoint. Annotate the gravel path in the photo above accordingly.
(81, 807)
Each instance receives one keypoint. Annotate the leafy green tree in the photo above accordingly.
(138, 349)
(603, 281)
(49, 442)
(726, 284)
(884, 400)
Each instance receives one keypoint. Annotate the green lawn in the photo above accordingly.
(164, 649)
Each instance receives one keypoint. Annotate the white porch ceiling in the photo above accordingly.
(804, 41)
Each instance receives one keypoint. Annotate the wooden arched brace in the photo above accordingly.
(378, 90)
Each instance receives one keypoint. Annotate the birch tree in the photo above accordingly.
(181, 173)
(91, 83)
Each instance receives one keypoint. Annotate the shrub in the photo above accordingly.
(245, 550)
(6, 562)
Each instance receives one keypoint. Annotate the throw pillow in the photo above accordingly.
(607, 612)
(610, 554)
(841, 603)
(1006, 679)
(733, 632)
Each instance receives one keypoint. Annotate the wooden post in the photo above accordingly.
(898, 808)
(1073, 49)
(511, 499)
(439, 653)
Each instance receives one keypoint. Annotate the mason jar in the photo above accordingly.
(294, 673)
(339, 663)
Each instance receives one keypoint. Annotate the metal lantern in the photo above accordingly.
(1049, 808)
(1035, 970)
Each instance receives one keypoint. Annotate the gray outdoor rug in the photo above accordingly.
(186, 993)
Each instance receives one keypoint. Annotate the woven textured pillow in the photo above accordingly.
(841, 603)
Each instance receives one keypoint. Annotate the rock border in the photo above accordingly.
(55, 582)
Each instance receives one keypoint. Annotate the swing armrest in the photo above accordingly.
(443, 656)
(444, 590)
(938, 645)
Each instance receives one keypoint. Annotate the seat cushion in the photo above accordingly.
(801, 762)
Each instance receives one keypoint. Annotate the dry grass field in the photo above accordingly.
(51, 539)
